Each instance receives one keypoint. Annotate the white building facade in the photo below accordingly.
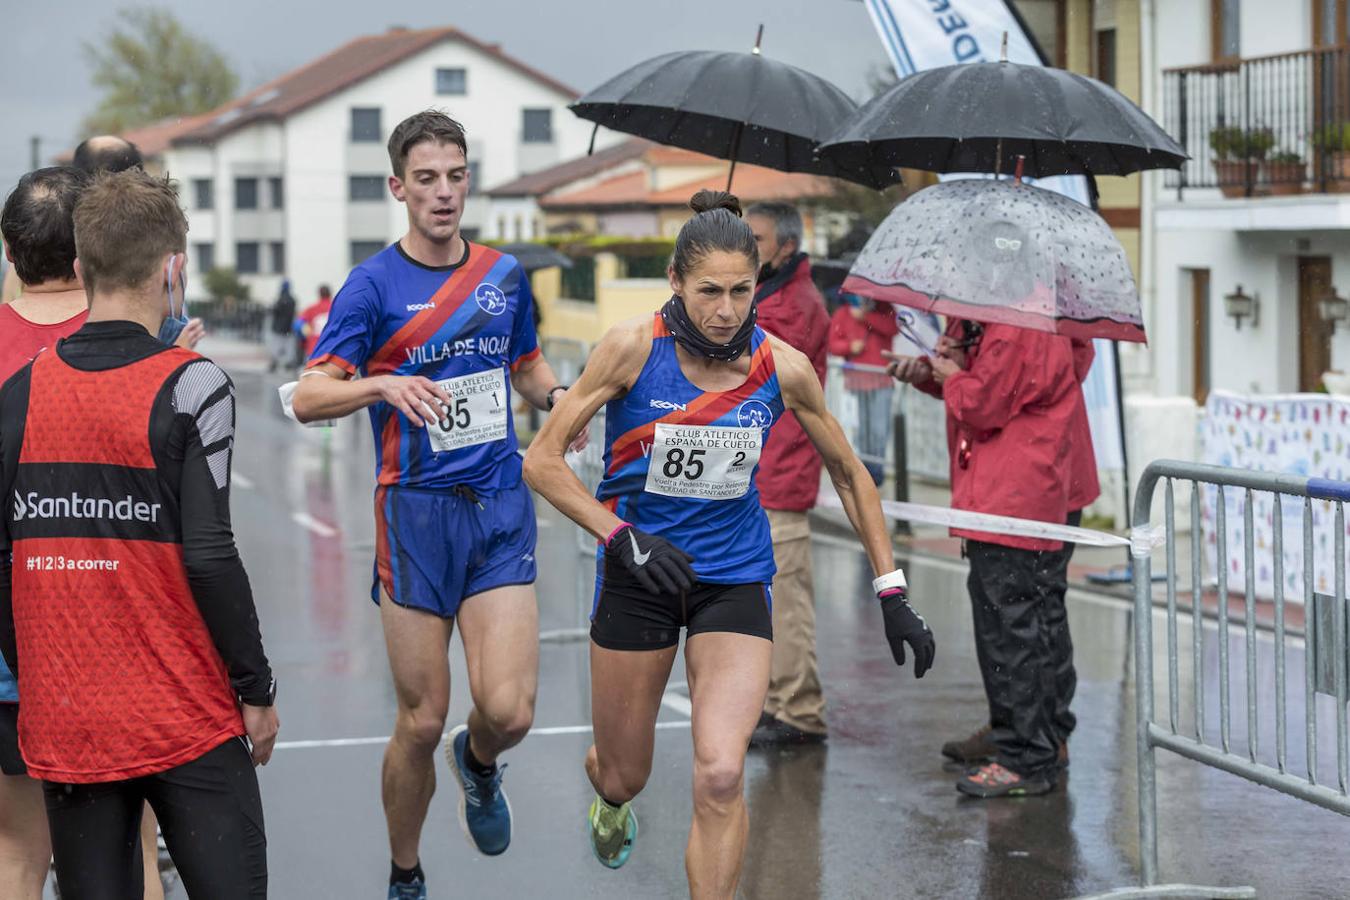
(291, 181)
(1249, 252)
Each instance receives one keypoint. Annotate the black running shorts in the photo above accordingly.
(11, 763)
(628, 617)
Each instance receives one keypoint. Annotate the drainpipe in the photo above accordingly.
(1148, 234)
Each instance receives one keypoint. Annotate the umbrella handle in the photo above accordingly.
(731, 153)
(759, 36)
(594, 131)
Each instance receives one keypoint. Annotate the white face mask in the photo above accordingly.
(173, 323)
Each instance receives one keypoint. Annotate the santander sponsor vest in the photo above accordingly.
(119, 675)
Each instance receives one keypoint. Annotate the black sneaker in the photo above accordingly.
(977, 748)
(777, 733)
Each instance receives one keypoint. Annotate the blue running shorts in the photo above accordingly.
(435, 548)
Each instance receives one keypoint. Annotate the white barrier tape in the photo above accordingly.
(1144, 538)
(973, 521)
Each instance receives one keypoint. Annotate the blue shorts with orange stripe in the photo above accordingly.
(434, 549)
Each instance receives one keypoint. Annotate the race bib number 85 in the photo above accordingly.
(476, 414)
(704, 461)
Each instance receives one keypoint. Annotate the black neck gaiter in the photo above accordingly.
(688, 336)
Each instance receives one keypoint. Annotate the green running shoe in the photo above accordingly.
(612, 832)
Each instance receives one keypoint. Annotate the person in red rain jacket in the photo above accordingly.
(309, 325)
(791, 309)
(860, 333)
(1012, 395)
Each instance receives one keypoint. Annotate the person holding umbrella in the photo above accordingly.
(691, 393)
(1011, 394)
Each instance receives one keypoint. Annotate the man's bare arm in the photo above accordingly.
(610, 371)
(319, 398)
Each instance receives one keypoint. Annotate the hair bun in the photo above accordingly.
(706, 200)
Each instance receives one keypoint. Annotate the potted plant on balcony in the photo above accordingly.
(1284, 172)
(1333, 141)
(1238, 153)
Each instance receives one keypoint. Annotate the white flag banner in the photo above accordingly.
(928, 34)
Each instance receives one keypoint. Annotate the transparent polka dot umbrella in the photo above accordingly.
(1003, 252)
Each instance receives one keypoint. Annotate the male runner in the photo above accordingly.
(441, 332)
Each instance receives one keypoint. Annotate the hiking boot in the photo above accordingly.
(977, 748)
(992, 780)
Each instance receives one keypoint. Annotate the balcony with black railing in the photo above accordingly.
(1262, 127)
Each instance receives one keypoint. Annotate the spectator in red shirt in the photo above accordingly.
(313, 318)
(791, 309)
(39, 233)
(860, 332)
(1012, 396)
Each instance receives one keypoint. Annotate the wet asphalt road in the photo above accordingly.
(873, 814)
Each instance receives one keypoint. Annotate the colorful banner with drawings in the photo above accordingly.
(1296, 434)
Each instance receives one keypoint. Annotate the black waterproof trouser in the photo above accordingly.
(209, 811)
(1024, 649)
(1054, 580)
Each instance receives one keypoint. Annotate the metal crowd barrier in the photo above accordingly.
(1324, 649)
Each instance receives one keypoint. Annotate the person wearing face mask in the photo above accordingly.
(125, 611)
(791, 309)
(691, 393)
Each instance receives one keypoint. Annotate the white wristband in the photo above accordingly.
(889, 581)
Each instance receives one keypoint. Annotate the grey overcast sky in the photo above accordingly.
(45, 87)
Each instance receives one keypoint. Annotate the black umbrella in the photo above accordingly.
(737, 106)
(980, 117)
(536, 256)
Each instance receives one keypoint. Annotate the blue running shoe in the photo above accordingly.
(484, 811)
(416, 890)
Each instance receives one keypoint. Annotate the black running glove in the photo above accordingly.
(657, 564)
(905, 626)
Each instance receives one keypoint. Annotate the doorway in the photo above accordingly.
(1314, 335)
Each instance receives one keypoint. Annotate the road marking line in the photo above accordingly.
(241, 480)
(372, 741)
(322, 529)
(564, 635)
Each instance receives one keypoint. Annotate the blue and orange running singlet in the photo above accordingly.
(680, 462)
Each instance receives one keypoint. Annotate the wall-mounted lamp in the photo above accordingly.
(1333, 309)
(1239, 306)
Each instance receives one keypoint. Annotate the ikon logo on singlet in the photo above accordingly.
(128, 509)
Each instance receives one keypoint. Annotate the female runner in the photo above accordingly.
(690, 396)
